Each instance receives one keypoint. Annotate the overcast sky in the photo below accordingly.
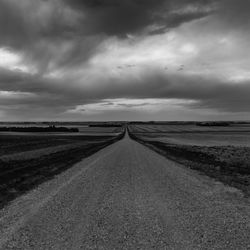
(124, 60)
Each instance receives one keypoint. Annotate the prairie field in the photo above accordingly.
(84, 128)
(220, 152)
(188, 128)
(27, 159)
(239, 139)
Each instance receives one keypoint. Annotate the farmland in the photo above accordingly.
(187, 128)
(240, 139)
(84, 128)
(28, 159)
(217, 151)
(126, 196)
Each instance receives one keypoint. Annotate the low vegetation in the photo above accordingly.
(26, 161)
(39, 129)
(213, 124)
(228, 164)
(106, 125)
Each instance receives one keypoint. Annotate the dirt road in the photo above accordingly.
(127, 197)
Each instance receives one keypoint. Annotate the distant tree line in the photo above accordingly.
(213, 124)
(106, 125)
(162, 123)
(39, 129)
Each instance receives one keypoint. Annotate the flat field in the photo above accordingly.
(188, 128)
(84, 128)
(220, 152)
(27, 159)
(240, 139)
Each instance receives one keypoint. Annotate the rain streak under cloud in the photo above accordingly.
(124, 59)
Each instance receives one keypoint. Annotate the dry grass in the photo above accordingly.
(228, 164)
(21, 169)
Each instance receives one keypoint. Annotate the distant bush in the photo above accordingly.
(39, 129)
(213, 124)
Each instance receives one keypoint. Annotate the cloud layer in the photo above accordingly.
(62, 59)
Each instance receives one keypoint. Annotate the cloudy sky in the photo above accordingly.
(124, 60)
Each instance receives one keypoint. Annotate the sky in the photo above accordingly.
(98, 60)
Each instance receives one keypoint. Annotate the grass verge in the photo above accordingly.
(228, 164)
(20, 176)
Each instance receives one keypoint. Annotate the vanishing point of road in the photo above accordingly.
(126, 196)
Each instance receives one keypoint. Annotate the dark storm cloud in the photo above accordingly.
(235, 14)
(114, 17)
(210, 92)
(46, 33)
(24, 23)
(64, 34)
(121, 17)
(36, 93)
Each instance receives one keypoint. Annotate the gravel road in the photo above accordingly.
(127, 197)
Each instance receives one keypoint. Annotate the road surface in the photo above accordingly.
(126, 196)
